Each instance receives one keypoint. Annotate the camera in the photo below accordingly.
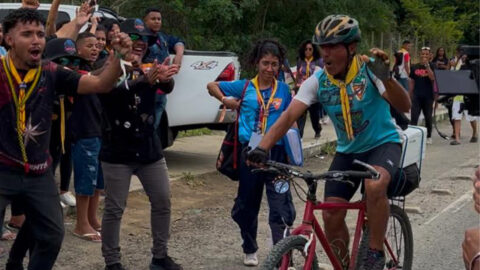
(464, 81)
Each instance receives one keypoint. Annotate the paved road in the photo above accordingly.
(438, 231)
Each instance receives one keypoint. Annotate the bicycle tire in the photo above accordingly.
(399, 215)
(290, 243)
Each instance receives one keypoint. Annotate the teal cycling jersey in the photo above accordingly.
(372, 122)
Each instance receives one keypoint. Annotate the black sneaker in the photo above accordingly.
(317, 135)
(115, 266)
(374, 260)
(164, 264)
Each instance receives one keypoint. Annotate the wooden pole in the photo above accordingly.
(381, 40)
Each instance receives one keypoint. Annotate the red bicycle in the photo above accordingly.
(297, 251)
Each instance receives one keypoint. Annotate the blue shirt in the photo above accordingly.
(250, 109)
(3, 51)
(163, 46)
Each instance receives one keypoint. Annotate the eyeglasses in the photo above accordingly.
(426, 48)
(65, 61)
(135, 37)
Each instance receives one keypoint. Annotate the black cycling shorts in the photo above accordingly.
(386, 156)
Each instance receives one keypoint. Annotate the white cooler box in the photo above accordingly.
(414, 140)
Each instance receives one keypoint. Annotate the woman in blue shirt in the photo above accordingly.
(264, 100)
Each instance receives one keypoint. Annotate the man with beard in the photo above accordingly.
(130, 146)
(27, 90)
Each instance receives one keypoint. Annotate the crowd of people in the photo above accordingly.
(91, 103)
(419, 80)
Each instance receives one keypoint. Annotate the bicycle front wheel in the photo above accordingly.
(291, 246)
(400, 240)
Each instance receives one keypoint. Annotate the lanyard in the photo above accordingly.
(20, 101)
(307, 71)
(264, 109)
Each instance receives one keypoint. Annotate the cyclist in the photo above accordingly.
(355, 92)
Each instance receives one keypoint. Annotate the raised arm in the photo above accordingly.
(394, 93)
(105, 81)
(52, 17)
(71, 29)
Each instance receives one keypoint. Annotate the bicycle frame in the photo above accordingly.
(310, 222)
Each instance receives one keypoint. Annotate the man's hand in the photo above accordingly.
(231, 103)
(471, 247)
(122, 44)
(166, 71)
(380, 66)
(33, 4)
(83, 14)
(257, 157)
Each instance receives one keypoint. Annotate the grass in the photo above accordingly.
(191, 181)
(329, 148)
(194, 132)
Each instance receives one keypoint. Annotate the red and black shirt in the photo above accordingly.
(54, 80)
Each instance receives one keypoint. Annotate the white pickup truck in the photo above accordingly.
(189, 106)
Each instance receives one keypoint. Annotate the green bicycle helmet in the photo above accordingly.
(336, 29)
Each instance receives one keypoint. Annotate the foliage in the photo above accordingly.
(233, 25)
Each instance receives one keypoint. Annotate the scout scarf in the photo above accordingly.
(21, 100)
(264, 109)
(351, 74)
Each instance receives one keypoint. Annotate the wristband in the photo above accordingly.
(472, 262)
(223, 99)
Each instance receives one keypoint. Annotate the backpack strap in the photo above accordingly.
(235, 141)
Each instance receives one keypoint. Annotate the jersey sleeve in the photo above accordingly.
(66, 81)
(232, 89)
(308, 91)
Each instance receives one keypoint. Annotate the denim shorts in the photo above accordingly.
(87, 171)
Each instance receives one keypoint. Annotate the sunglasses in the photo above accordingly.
(426, 48)
(65, 61)
(135, 37)
(308, 49)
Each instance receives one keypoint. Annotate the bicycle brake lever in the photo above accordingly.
(369, 167)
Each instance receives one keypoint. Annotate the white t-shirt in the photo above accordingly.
(308, 92)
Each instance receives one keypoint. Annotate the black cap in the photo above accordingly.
(61, 47)
(136, 26)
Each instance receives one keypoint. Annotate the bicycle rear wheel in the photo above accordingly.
(399, 237)
(292, 246)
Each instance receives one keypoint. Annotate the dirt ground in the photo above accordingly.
(203, 235)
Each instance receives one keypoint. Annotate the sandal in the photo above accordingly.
(89, 237)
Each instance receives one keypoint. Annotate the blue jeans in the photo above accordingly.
(87, 171)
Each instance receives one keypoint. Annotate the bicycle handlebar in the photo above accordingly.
(289, 170)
